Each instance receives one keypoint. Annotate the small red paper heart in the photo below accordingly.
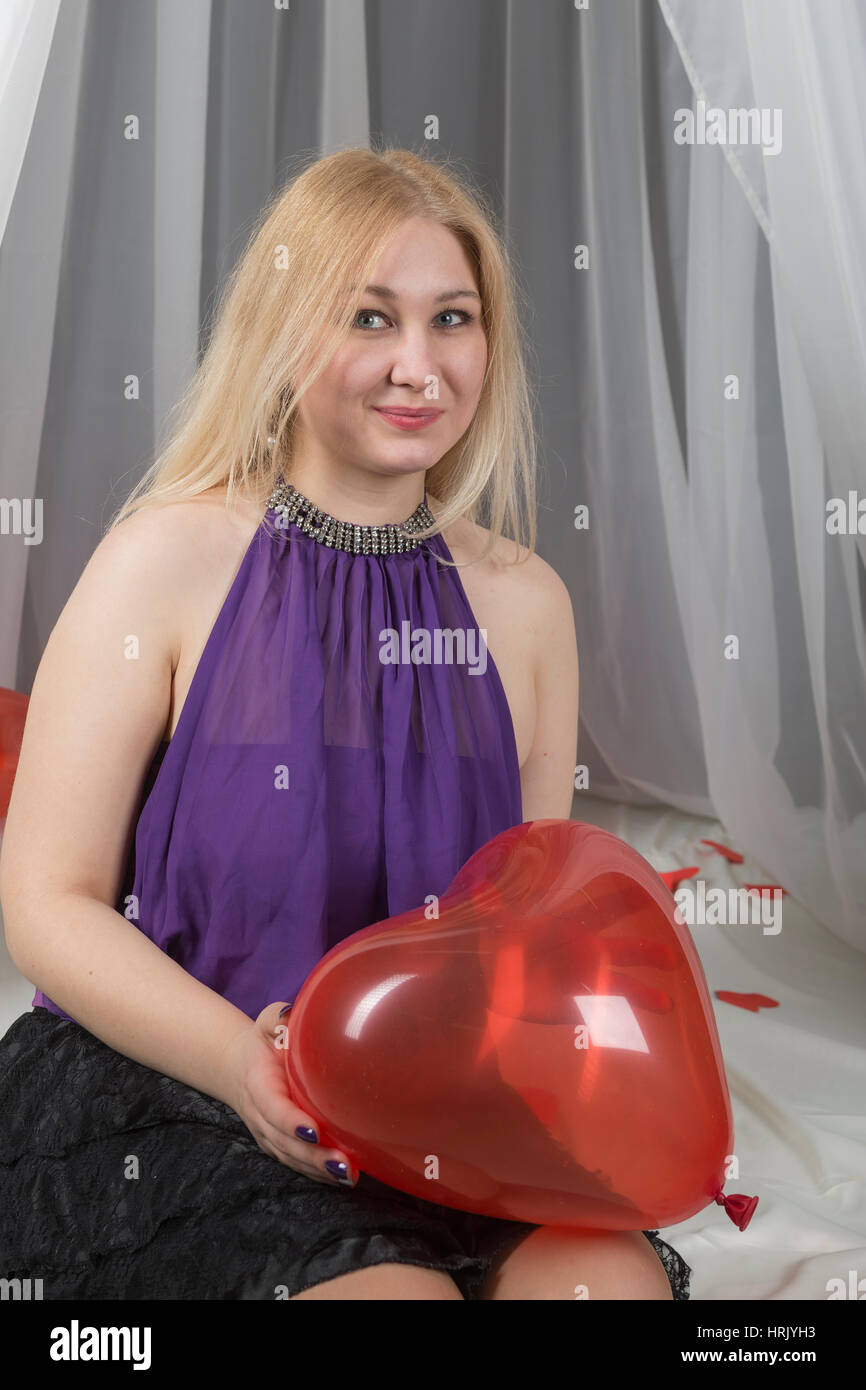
(674, 877)
(753, 1002)
(733, 856)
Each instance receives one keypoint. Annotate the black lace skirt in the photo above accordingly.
(117, 1182)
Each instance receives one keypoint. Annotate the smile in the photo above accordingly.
(405, 419)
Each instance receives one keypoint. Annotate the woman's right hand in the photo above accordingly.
(256, 1089)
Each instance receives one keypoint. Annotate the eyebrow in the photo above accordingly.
(384, 291)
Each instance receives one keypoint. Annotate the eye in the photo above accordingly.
(465, 317)
(369, 314)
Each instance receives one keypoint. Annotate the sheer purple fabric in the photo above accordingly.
(311, 788)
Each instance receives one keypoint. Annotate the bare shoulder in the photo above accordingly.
(168, 530)
(531, 588)
(177, 551)
(102, 696)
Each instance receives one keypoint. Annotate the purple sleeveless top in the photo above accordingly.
(310, 787)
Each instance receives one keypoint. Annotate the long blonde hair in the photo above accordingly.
(285, 303)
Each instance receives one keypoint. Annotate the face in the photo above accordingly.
(420, 347)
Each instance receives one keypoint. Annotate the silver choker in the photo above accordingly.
(391, 538)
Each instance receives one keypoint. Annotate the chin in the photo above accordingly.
(380, 462)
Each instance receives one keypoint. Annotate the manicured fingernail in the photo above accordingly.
(285, 1010)
(304, 1132)
(337, 1170)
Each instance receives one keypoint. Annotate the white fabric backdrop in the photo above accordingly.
(806, 60)
(714, 525)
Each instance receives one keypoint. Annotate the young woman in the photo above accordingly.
(221, 778)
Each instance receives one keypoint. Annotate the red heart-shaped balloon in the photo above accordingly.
(544, 1049)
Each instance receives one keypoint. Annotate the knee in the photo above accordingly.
(627, 1266)
(554, 1263)
(386, 1282)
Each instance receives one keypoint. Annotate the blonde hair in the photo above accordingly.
(284, 305)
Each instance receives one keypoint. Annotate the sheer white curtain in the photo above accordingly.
(784, 725)
(26, 31)
(721, 403)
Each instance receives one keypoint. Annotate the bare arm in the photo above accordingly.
(99, 705)
(547, 775)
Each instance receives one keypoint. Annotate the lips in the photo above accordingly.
(405, 418)
(408, 411)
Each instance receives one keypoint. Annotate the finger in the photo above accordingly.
(286, 1121)
(273, 1016)
(280, 1103)
(281, 1135)
(295, 1162)
(276, 1104)
(298, 1155)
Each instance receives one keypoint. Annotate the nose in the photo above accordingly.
(415, 362)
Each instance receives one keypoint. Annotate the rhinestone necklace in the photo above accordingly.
(391, 538)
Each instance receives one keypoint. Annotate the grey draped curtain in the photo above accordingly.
(700, 369)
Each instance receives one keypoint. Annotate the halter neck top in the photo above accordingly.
(344, 747)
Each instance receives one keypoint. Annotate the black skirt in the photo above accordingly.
(117, 1182)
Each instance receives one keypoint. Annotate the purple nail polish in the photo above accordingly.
(285, 1010)
(304, 1132)
(337, 1170)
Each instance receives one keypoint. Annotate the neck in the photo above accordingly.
(352, 494)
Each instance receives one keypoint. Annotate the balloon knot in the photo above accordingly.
(738, 1206)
